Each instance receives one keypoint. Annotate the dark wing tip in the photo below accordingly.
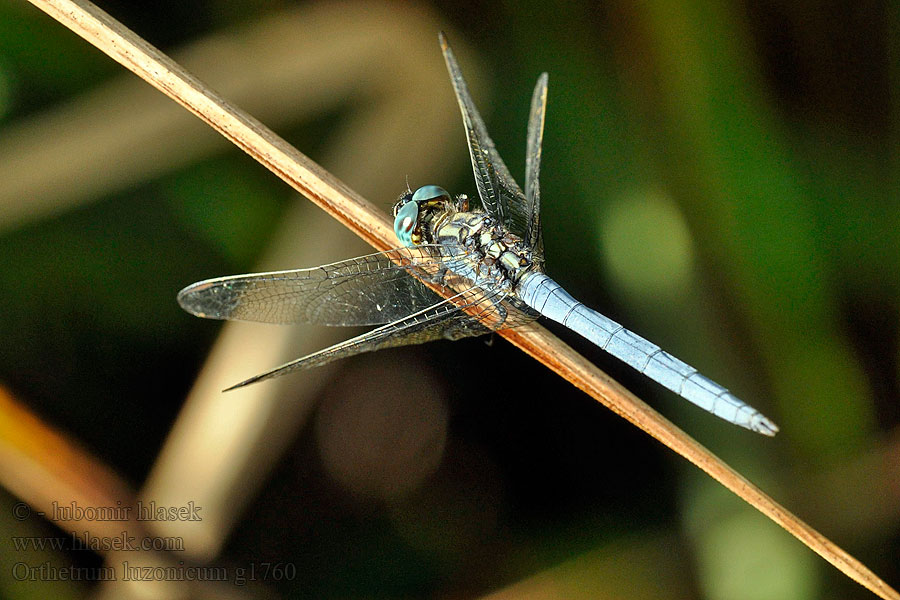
(187, 298)
(206, 299)
(540, 91)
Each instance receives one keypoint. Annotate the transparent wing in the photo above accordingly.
(368, 290)
(500, 196)
(445, 319)
(533, 168)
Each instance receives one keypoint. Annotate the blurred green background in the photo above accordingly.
(720, 177)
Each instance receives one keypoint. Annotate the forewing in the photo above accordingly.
(368, 290)
(533, 168)
(500, 196)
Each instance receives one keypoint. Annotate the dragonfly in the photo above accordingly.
(463, 268)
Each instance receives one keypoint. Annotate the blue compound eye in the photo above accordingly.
(430, 192)
(405, 222)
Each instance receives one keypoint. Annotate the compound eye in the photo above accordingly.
(405, 222)
(430, 192)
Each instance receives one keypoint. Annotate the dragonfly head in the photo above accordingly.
(412, 207)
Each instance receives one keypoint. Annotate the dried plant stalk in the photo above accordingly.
(373, 226)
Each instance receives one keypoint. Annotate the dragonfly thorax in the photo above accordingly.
(431, 216)
(501, 253)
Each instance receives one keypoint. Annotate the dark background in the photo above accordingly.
(720, 177)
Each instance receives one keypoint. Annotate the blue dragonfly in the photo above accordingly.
(463, 269)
